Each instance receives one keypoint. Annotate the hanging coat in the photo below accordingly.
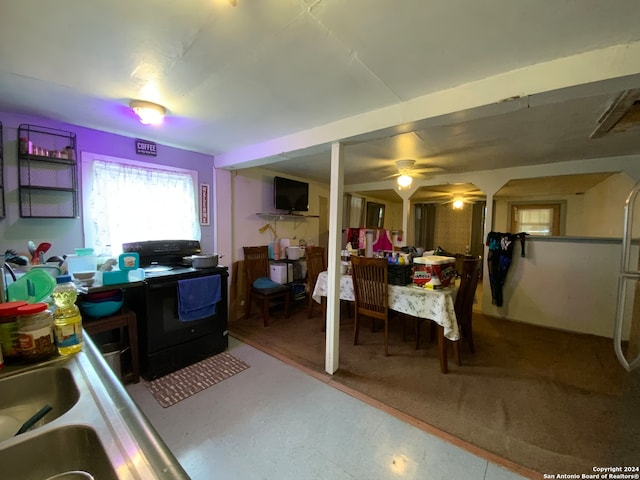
(499, 260)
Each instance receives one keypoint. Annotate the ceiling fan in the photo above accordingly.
(406, 172)
(457, 198)
(458, 201)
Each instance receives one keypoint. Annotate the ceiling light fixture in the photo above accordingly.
(405, 169)
(404, 180)
(148, 112)
(458, 204)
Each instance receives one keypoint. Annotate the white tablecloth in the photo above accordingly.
(436, 305)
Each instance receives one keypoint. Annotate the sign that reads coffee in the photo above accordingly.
(143, 147)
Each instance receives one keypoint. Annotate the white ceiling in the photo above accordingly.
(277, 81)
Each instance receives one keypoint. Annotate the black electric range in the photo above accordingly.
(165, 342)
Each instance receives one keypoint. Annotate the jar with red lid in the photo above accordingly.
(35, 332)
(9, 328)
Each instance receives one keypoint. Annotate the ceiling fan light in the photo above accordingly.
(148, 113)
(458, 204)
(404, 181)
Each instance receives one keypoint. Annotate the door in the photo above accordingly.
(627, 324)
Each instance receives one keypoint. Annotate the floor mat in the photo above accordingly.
(188, 381)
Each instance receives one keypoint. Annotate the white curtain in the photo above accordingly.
(133, 203)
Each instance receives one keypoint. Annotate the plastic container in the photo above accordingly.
(67, 321)
(42, 285)
(295, 253)
(35, 332)
(101, 308)
(434, 271)
(9, 328)
(81, 263)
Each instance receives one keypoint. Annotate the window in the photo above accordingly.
(133, 201)
(425, 225)
(375, 215)
(536, 219)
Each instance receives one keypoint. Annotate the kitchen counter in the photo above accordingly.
(133, 448)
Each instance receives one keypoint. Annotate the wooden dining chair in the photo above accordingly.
(316, 263)
(256, 265)
(370, 288)
(463, 306)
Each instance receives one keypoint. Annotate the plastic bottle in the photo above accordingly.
(67, 321)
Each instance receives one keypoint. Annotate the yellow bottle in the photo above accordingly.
(67, 321)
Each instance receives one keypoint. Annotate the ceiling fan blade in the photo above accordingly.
(429, 170)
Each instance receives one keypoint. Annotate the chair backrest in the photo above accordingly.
(467, 290)
(256, 263)
(316, 263)
(370, 285)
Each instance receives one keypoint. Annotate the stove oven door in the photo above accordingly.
(166, 344)
(165, 330)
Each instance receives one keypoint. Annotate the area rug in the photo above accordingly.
(188, 381)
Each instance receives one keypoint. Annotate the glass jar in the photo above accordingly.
(35, 332)
(9, 328)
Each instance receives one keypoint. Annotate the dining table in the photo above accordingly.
(436, 305)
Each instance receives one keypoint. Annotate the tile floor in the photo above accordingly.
(273, 421)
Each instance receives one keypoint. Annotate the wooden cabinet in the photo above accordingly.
(47, 173)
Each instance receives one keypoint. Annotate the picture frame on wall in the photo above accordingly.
(205, 216)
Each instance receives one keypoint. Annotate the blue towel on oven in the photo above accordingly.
(197, 297)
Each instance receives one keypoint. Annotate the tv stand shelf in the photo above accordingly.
(285, 216)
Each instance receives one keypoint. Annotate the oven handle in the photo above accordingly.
(174, 283)
(155, 286)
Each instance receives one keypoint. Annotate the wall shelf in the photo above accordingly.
(285, 216)
(47, 176)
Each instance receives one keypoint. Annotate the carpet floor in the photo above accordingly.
(550, 401)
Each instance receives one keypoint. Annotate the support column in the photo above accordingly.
(336, 190)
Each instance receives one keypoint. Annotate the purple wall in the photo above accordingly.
(66, 234)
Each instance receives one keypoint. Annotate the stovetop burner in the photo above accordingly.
(157, 268)
(163, 252)
(163, 260)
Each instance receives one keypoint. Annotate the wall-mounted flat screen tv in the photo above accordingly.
(290, 195)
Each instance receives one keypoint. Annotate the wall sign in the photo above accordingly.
(143, 147)
(205, 218)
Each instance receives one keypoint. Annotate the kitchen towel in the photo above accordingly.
(197, 297)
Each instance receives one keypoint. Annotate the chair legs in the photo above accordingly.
(386, 338)
(456, 352)
(311, 302)
(247, 305)
(466, 332)
(265, 312)
(266, 319)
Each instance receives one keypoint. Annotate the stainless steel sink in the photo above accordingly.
(94, 425)
(62, 449)
(26, 393)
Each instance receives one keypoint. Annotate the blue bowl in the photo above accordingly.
(100, 309)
